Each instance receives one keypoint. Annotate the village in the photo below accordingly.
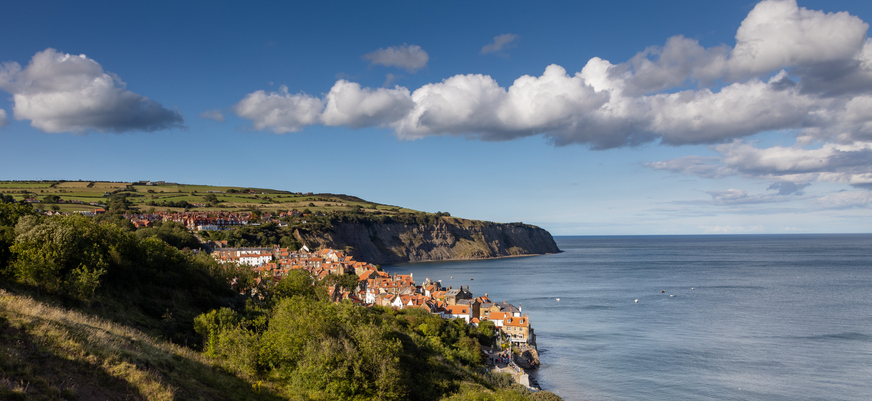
(400, 291)
(514, 351)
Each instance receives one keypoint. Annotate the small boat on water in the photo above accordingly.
(558, 299)
(637, 301)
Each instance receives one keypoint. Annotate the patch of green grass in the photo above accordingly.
(26, 184)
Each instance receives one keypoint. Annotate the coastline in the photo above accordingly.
(521, 361)
(460, 260)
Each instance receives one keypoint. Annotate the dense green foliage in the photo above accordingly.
(137, 279)
(343, 351)
(262, 235)
(10, 212)
(172, 233)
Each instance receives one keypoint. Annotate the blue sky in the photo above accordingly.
(622, 117)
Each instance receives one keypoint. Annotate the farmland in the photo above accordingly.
(145, 196)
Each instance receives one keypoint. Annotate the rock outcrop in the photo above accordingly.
(448, 238)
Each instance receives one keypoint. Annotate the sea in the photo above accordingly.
(714, 317)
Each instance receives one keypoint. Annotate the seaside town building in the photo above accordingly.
(377, 287)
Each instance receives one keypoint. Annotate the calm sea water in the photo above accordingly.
(753, 317)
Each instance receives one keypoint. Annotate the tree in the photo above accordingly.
(118, 203)
(63, 255)
(172, 233)
(9, 215)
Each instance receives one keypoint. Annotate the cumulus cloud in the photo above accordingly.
(409, 57)
(3, 119)
(280, 111)
(779, 33)
(59, 92)
(790, 69)
(500, 42)
(349, 104)
(766, 82)
(212, 115)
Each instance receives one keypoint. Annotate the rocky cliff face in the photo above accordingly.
(447, 239)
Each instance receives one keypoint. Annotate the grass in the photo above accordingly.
(25, 184)
(49, 352)
(93, 191)
(73, 184)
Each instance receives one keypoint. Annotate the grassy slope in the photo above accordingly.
(49, 352)
(93, 191)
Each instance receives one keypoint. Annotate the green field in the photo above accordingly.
(145, 197)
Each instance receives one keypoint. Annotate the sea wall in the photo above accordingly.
(446, 239)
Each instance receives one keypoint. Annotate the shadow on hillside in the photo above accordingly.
(31, 371)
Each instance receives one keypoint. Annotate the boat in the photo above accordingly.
(558, 299)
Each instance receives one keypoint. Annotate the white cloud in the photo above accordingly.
(409, 57)
(777, 34)
(212, 115)
(476, 105)
(500, 42)
(3, 119)
(280, 111)
(60, 92)
(791, 69)
(348, 104)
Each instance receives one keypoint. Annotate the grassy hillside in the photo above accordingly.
(51, 352)
(144, 197)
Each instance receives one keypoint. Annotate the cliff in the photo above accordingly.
(447, 238)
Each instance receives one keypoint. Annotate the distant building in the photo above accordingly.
(454, 295)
